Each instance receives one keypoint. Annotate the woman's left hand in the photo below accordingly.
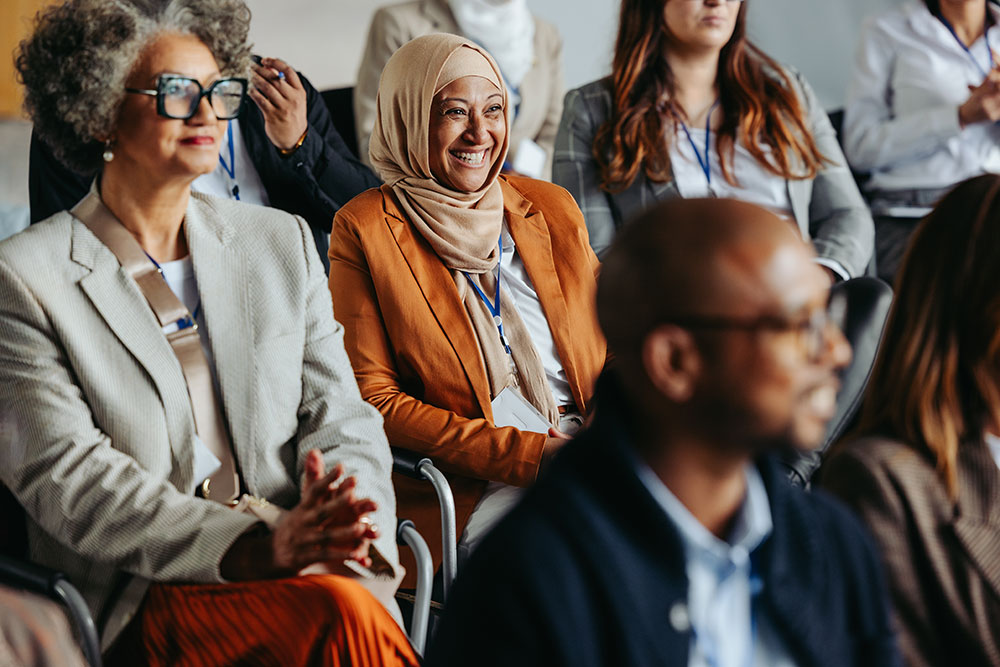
(279, 94)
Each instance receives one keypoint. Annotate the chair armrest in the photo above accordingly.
(54, 586)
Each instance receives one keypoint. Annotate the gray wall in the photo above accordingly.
(324, 38)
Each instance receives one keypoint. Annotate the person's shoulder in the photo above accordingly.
(878, 455)
(542, 195)
(412, 19)
(367, 208)
(252, 227)
(42, 242)
(596, 92)
(546, 34)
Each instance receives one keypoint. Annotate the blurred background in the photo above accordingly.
(324, 38)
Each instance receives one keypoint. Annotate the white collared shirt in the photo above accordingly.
(901, 118)
(728, 630)
(517, 285)
(220, 184)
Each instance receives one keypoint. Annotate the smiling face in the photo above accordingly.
(696, 25)
(467, 132)
(772, 386)
(147, 143)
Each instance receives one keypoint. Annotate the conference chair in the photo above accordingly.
(340, 103)
(868, 301)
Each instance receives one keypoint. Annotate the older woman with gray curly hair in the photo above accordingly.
(168, 360)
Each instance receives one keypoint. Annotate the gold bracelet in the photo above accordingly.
(285, 152)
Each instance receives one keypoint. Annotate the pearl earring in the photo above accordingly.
(108, 154)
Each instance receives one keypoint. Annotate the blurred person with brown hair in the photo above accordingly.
(693, 109)
(923, 466)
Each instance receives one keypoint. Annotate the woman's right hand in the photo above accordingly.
(553, 443)
(329, 525)
(983, 104)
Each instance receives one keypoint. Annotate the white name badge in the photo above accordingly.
(510, 409)
(205, 462)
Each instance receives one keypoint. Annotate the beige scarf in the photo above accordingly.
(463, 228)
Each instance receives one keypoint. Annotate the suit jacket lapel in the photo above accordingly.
(438, 287)
(977, 524)
(119, 302)
(221, 274)
(534, 246)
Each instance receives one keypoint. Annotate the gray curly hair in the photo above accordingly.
(75, 63)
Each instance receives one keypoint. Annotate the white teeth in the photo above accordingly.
(823, 400)
(471, 158)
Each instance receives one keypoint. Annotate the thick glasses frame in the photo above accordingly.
(160, 95)
(812, 330)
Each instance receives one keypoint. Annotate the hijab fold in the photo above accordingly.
(463, 228)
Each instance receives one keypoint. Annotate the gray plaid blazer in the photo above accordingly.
(96, 425)
(829, 209)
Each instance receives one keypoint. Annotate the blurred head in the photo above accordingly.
(717, 314)
(83, 54)
(441, 115)
(936, 381)
(757, 100)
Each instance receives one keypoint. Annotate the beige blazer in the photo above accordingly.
(941, 556)
(96, 425)
(541, 91)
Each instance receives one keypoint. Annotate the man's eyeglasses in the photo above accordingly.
(178, 97)
(812, 331)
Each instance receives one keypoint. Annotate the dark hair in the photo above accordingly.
(75, 63)
(757, 98)
(936, 381)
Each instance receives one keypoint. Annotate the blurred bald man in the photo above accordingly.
(666, 534)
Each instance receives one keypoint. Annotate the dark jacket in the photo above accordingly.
(587, 570)
(314, 182)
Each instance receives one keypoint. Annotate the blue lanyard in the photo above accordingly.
(968, 51)
(231, 167)
(494, 307)
(706, 165)
(189, 319)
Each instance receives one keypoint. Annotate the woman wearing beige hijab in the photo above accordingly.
(467, 297)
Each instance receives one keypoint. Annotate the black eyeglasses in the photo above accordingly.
(812, 330)
(178, 97)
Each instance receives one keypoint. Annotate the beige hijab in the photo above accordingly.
(463, 228)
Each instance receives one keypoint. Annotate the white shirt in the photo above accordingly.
(221, 184)
(726, 626)
(901, 118)
(993, 442)
(756, 184)
(180, 278)
(517, 285)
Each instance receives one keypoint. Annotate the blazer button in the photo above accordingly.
(680, 620)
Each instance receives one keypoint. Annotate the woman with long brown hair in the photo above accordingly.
(922, 468)
(693, 109)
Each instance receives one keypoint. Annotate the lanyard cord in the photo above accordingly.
(230, 168)
(986, 38)
(706, 165)
(494, 307)
(184, 322)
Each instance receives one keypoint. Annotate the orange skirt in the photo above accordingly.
(323, 620)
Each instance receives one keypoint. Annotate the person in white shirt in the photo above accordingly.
(922, 111)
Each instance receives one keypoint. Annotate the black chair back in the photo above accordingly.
(868, 302)
(340, 103)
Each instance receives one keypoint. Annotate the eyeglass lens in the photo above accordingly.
(181, 97)
(817, 329)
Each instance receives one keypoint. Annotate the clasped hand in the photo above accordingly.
(983, 104)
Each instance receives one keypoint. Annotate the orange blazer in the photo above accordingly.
(414, 351)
